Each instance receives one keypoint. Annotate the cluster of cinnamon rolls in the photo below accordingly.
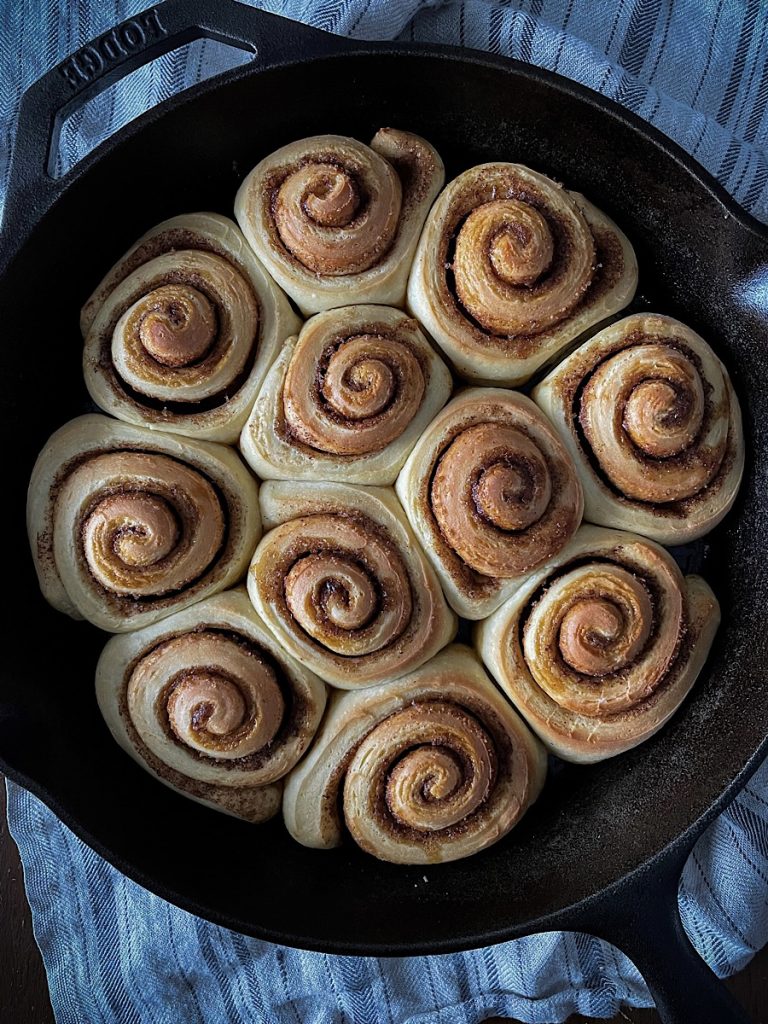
(290, 498)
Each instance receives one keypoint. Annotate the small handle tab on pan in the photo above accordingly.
(643, 921)
(49, 101)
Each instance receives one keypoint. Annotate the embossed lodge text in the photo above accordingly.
(89, 62)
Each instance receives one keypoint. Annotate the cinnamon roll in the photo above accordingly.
(129, 525)
(600, 647)
(432, 767)
(491, 493)
(649, 415)
(343, 585)
(347, 399)
(511, 268)
(209, 703)
(180, 333)
(335, 221)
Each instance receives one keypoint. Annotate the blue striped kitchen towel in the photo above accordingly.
(697, 69)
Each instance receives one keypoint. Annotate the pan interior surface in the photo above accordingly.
(592, 824)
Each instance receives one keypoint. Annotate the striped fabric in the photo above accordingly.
(698, 69)
(116, 954)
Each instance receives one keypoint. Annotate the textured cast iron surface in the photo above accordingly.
(592, 824)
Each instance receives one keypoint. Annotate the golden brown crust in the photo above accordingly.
(491, 493)
(128, 525)
(210, 705)
(180, 333)
(598, 649)
(340, 580)
(347, 399)
(511, 268)
(336, 221)
(432, 767)
(649, 415)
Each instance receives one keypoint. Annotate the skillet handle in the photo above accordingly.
(32, 188)
(643, 921)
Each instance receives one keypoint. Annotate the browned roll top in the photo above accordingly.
(364, 392)
(175, 325)
(503, 502)
(657, 433)
(338, 212)
(216, 694)
(521, 263)
(435, 765)
(650, 415)
(604, 624)
(152, 527)
(343, 583)
(428, 768)
(183, 329)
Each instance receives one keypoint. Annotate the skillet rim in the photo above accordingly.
(340, 48)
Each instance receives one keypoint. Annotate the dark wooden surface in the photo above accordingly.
(24, 992)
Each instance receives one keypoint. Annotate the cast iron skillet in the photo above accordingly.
(602, 850)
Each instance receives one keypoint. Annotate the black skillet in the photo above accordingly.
(603, 849)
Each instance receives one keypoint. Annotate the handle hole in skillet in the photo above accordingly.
(142, 89)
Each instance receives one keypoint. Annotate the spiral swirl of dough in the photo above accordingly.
(208, 703)
(342, 584)
(347, 399)
(492, 494)
(336, 221)
(338, 212)
(181, 332)
(649, 414)
(599, 648)
(128, 525)
(432, 767)
(187, 340)
(504, 263)
(511, 268)
(152, 527)
(369, 389)
(217, 698)
(594, 623)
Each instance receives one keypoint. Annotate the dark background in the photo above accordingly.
(24, 990)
